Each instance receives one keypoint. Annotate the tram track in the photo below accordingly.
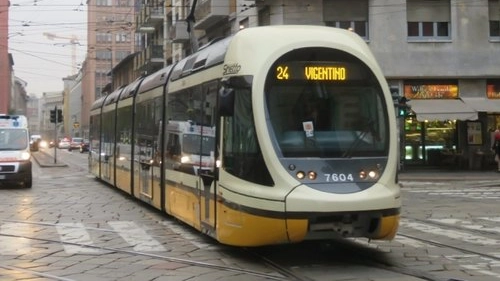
(279, 275)
(462, 249)
(334, 255)
(294, 265)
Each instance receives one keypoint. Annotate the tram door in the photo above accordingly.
(107, 144)
(144, 167)
(147, 178)
(190, 150)
(208, 148)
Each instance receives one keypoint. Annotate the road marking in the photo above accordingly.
(468, 224)
(471, 193)
(75, 233)
(15, 245)
(136, 236)
(478, 268)
(195, 239)
(458, 235)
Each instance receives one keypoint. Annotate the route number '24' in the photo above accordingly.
(282, 73)
(339, 177)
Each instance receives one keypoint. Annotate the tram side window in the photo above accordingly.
(173, 146)
(242, 155)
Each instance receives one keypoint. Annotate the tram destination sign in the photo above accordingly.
(319, 71)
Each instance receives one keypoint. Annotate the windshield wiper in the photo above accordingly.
(368, 129)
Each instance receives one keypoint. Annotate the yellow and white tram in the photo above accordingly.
(275, 135)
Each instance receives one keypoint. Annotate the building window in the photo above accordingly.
(494, 16)
(122, 37)
(495, 29)
(103, 55)
(103, 3)
(428, 20)
(360, 27)
(103, 37)
(264, 16)
(347, 14)
(123, 3)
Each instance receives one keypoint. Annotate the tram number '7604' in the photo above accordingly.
(338, 177)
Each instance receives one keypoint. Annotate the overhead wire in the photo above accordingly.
(35, 6)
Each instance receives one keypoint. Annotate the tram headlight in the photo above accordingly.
(311, 175)
(371, 174)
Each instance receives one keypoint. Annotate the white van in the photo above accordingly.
(15, 156)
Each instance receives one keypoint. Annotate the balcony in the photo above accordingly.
(179, 33)
(210, 12)
(149, 17)
(150, 59)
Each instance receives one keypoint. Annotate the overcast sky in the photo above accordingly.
(41, 61)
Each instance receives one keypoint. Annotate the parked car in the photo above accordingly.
(52, 143)
(75, 143)
(63, 143)
(84, 146)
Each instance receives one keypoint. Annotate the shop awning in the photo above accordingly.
(441, 110)
(483, 104)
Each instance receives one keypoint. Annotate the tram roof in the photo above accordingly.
(208, 56)
(131, 89)
(155, 80)
(113, 97)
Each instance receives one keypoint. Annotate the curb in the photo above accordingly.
(45, 160)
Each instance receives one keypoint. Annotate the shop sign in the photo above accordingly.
(493, 91)
(431, 91)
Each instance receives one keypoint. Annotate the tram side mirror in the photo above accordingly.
(226, 102)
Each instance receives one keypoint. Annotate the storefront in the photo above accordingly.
(434, 129)
(450, 124)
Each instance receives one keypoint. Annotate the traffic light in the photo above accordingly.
(52, 116)
(59, 115)
(403, 108)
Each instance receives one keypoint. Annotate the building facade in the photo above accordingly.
(111, 37)
(5, 58)
(442, 55)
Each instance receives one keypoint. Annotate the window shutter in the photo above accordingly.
(345, 10)
(428, 11)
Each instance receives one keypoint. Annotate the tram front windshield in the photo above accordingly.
(326, 108)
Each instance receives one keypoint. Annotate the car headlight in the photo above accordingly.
(25, 155)
(43, 144)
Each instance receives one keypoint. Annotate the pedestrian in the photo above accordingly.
(496, 148)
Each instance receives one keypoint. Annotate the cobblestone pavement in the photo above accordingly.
(70, 227)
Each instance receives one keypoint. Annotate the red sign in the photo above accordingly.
(493, 91)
